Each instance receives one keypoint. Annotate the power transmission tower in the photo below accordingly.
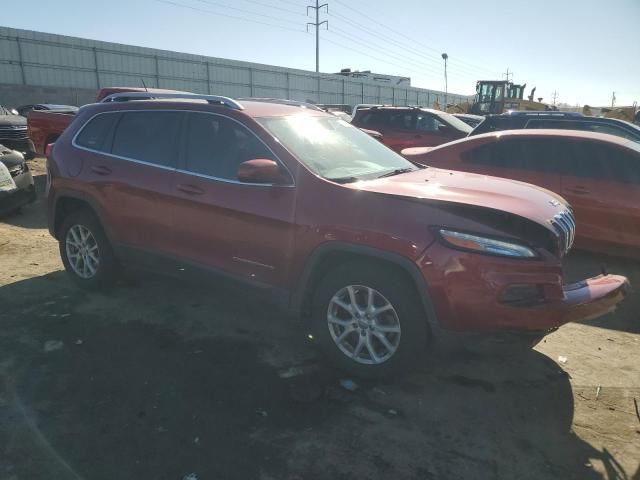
(317, 25)
(554, 96)
(507, 74)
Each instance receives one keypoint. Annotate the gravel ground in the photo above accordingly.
(160, 379)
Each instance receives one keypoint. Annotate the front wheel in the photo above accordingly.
(369, 320)
(85, 250)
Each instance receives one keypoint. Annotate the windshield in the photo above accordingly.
(335, 149)
(455, 122)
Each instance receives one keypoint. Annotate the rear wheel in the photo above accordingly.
(368, 320)
(86, 253)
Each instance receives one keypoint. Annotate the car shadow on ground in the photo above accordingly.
(156, 379)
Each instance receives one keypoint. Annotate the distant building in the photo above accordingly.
(392, 80)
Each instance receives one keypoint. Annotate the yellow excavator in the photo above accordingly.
(630, 114)
(498, 96)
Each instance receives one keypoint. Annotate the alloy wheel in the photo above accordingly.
(82, 251)
(363, 324)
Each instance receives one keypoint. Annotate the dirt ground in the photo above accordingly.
(159, 379)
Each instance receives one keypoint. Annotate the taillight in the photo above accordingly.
(48, 149)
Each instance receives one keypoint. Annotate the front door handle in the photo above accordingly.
(101, 170)
(190, 189)
(580, 190)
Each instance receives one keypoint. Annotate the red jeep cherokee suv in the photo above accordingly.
(379, 254)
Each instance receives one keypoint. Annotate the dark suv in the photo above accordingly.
(562, 120)
(378, 253)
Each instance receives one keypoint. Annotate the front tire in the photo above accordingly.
(86, 252)
(369, 321)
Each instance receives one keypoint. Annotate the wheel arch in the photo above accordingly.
(332, 253)
(67, 202)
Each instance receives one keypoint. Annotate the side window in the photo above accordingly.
(427, 123)
(605, 162)
(216, 146)
(148, 136)
(536, 155)
(559, 124)
(374, 118)
(611, 130)
(402, 120)
(94, 134)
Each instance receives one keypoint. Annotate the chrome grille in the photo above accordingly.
(12, 132)
(565, 226)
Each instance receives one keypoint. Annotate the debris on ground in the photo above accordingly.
(190, 476)
(349, 385)
(297, 371)
(53, 345)
(196, 440)
(562, 359)
(79, 341)
(261, 413)
(598, 391)
(379, 391)
(392, 411)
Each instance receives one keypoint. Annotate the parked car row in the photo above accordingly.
(379, 254)
(16, 183)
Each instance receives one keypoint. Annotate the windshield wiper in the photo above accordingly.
(397, 171)
(344, 179)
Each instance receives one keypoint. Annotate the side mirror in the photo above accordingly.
(260, 170)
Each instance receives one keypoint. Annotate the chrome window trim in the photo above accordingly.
(175, 169)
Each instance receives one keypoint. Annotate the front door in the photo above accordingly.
(243, 229)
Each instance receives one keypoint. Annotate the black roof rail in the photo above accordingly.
(282, 101)
(213, 99)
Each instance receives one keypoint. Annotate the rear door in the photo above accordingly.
(243, 229)
(602, 183)
(129, 160)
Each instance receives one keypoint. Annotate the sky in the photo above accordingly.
(584, 50)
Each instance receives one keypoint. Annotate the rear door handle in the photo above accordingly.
(579, 189)
(101, 170)
(190, 189)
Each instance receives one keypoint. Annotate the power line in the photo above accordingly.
(507, 73)
(241, 10)
(407, 48)
(403, 35)
(218, 14)
(273, 7)
(431, 70)
(317, 24)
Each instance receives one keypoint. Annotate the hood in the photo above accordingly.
(12, 120)
(519, 198)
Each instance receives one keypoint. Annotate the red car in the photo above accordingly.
(403, 127)
(599, 174)
(378, 254)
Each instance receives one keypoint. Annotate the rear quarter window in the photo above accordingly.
(95, 133)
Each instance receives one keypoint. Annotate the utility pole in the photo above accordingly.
(317, 25)
(554, 96)
(506, 74)
(446, 83)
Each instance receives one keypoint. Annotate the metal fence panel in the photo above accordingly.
(42, 59)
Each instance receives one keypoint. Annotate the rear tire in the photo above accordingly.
(86, 252)
(350, 333)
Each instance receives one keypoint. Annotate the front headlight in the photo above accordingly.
(491, 246)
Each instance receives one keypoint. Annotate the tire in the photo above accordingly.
(406, 314)
(106, 266)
